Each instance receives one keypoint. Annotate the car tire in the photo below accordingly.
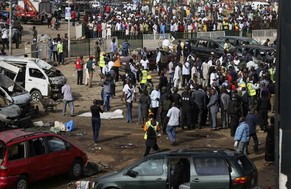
(36, 96)
(76, 170)
(22, 183)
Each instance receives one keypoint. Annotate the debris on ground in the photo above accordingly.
(125, 146)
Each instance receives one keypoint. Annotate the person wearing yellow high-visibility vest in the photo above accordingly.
(144, 76)
(151, 129)
(102, 61)
(251, 87)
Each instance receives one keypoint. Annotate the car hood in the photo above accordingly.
(21, 98)
(10, 111)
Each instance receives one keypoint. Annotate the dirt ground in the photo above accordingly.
(122, 143)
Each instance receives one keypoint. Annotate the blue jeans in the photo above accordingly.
(71, 105)
(96, 122)
(129, 112)
(242, 147)
(213, 117)
(171, 79)
(171, 131)
(106, 98)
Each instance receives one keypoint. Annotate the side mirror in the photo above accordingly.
(131, 173)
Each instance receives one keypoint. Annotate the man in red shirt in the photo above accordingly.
(73, 17)
(79, 68)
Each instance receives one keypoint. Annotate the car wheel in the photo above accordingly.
(36, 96)
(22, 183)
(76, 169)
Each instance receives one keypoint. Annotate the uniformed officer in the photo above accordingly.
(186, 118)
(234, 111)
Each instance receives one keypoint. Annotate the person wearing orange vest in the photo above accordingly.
(79, 68)
(116, 67)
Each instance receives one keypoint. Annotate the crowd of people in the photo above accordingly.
(189, 92)
(130, 21)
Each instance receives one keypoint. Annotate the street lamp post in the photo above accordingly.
(10, 28)
(69, 34)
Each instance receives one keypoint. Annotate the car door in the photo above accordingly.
(61, 155)
(39, 160)
(210, 173)
(151, 174)
(35, 79)
(16, 159)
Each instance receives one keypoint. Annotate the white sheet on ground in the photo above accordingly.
(116, 114)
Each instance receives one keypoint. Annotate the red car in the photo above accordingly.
(26, 157)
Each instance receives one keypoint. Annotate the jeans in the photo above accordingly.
(71, 105)
(171, 79)
(171, 131)
(106, 98)
(96, 122)
(242, 147)
(129, 112)
(213, 116)
(224, 119)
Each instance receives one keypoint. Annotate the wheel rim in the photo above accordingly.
(21, 184)
(77, 169)
(35, 97)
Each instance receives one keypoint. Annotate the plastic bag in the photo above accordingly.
(70, 125)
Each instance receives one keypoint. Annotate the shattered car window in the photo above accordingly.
(55, 144)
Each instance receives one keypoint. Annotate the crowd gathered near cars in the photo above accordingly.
(225, 84)
(237, 86)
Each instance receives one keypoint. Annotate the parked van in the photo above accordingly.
(35, 75)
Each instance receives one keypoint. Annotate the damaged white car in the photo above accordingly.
(37, 77)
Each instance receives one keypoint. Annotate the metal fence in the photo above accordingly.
(85, 47)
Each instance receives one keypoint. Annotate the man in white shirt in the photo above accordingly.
(185, 73)
(214, 79)
(173, 117)
(155, 98)
(177, 76)
(166, 44)
(158, 60)
(128, 94)
(144, 62)
(171, 73)
(205, 76)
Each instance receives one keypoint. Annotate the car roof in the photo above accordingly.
(199, 151)
(261, 47)
(235, 37)
(15, 134)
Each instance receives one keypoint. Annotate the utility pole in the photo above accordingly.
(10, 28)
(69, 33)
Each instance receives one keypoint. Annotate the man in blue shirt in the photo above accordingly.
(241, 137)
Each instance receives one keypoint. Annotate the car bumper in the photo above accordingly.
(8, 182)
